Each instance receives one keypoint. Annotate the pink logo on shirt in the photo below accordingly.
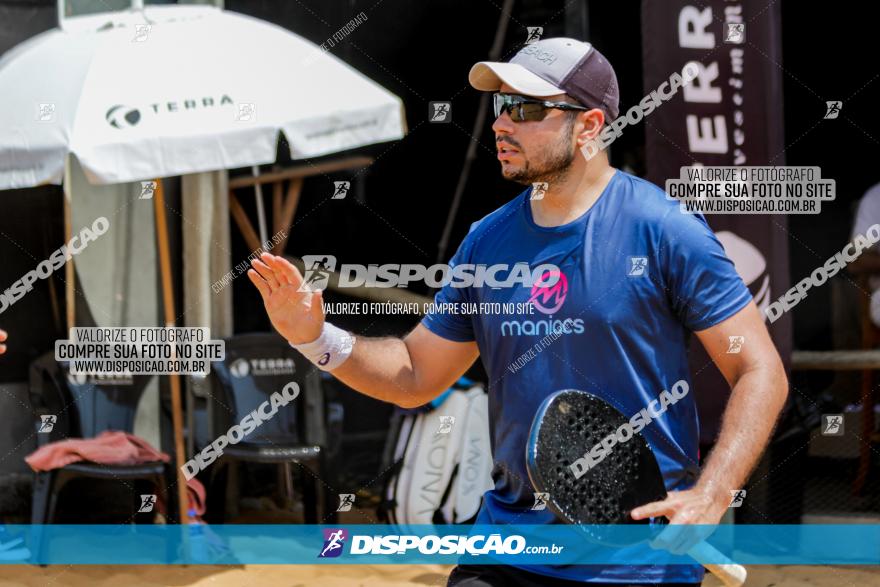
(549, 298)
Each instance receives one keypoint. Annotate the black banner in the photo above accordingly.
(730, 114)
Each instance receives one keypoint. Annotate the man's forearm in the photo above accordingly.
(382, 369)
(749, 419)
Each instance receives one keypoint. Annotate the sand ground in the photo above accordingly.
(356, 576)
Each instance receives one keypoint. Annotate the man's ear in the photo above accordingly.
(588, 142)
(593, 121)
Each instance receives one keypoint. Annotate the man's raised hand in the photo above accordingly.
(297, 315)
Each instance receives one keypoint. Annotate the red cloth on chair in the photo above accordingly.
(109, 448)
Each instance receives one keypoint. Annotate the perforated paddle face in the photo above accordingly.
(567, 426)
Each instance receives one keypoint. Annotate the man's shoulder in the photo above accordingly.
(647, 210)
(500, 216)
(640, 184)
(489, 226)
(645, 201)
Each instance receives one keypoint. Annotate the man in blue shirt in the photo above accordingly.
(632, 276)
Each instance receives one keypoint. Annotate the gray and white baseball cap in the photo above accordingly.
(558, 65)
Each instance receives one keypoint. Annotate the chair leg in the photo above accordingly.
(328, 505)
(59, 480)
(231, 510)
(285, 485)
(40, 498)
(310, 495)
(53, 499)
(217, 487)
(161, 489)
(40, 511)
(869, 337)
(866, 432)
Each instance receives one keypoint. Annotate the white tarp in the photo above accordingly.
(117, 273)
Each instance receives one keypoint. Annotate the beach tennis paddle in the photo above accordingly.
(568, 425)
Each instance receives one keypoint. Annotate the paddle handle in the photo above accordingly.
(730, 573)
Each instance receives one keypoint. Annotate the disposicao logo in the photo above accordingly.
(334, 542)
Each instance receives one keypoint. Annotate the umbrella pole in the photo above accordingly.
(479, 121)
(168, 306)
(69, 273)
(261, 211)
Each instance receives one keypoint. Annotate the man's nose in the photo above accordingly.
(503, 124)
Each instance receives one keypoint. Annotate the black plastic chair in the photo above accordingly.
(84, 408)
(257, 365)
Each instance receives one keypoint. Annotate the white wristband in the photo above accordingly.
(329, 350)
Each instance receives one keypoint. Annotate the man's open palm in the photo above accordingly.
(297, 315)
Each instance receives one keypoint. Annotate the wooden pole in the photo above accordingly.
(307, 170)
(842, 360)
(69, 272)
(285, 219)
(277, 193)
(168, 306)
(261, 211)
(244, 224)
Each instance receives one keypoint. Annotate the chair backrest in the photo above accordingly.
(256, 366)
(85, 405)
(870, 332)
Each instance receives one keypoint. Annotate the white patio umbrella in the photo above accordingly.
(172, 90)
(178, 89)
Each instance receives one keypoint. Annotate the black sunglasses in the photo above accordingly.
(522, 109)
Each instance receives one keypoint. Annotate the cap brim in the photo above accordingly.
(488, 76)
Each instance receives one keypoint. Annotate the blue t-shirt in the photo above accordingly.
(637, 277)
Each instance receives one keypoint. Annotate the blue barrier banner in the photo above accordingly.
(850, 544)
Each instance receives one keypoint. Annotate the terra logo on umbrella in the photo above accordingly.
(120, 116)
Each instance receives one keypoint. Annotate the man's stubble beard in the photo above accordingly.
(555, 165)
